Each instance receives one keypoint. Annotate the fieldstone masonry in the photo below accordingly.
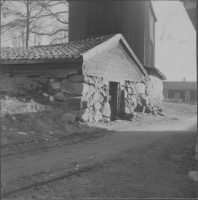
(86, 98)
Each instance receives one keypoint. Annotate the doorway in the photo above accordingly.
(113, 92)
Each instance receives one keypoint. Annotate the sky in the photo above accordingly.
(175, 47)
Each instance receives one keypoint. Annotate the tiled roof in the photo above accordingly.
(72, 49)
(180, 85)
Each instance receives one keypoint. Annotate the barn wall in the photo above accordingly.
(130, 18)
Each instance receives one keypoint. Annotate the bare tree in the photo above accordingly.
(34, 19)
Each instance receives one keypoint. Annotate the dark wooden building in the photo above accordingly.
(179, 91)
(135, 20)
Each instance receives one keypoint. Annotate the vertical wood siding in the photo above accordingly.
(130, 18)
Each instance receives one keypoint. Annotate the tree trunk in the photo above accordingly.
(28, 19)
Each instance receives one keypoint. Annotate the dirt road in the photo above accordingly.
(26, 170)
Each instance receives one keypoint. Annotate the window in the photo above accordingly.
(187, 97)
(177, 96)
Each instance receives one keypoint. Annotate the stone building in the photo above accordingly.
(84, 75)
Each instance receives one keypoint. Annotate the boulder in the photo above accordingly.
(90, 117)
(129, 117)
(139, 108)
(70, 117)
(132, 109)
(106, 109)
(88, 103)
(78, 79)
(55, 85)
(51, 80)
(148, 109)
(145, 100)
(97, 106)
(83, 115)
(51, 98)
(126, 103)
(125, 110)
(129, 90)
(60, 96)
(72, 104)
(124, 94)
(97, 97)
(97, 116)
(75, 88)
(45, 95)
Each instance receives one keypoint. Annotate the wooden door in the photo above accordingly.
(113, 92)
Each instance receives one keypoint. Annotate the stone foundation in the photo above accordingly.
(82, 96)
(86, 98)
(154, 88)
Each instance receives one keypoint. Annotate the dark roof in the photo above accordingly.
(180, 85)
(156, 71)
(72, 49)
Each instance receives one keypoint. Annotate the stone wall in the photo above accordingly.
(154, 88)
(85, 98)
(140, 97)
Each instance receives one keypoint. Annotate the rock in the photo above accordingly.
(78, 79)
(83, 115)
(148, 109)
(126, 103)
(75, 88)
(132, 109)
(45, 95)
(70, 117)
(125, 110)
(72, 104)
(145, 100)
(129, 90)
(106, 109)
(97, 106)
(90, 117)
(97, 116)
(51, 80)
(129, 117)
(133, 97)
(13, 118)
(88, 103)
(55, 86)
(60, 96)
(97, 97)
(51, 98)
(90, 81)
(124, 94)
(22, 133)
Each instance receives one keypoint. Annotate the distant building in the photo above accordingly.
(180, 91)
